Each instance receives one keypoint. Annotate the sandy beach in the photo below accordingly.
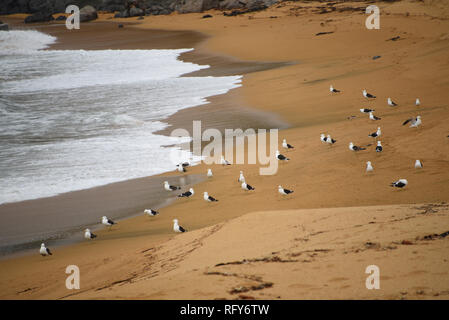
(317, 242)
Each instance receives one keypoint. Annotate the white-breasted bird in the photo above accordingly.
(373, 117)
(107, 222)
(323, 138)
(366, 110)
(246, 186)
(329, 139)
(376, 134)
(281, 156)
(151, 212)
(414, 122)
(332, 89)
(177, 227)
(286, 145)
(180, 168)
(241, 177)
(369, 167)
(209, 173)
(169, 187)
(379, 147)
(89, 235)
(44, 251)
(418, 164)
(187, 194)
(417, 102)
(224, 162)
(401, 183)
(208, 198)
(284, 191)
(352, 147)
(368, 95)
(391, 103)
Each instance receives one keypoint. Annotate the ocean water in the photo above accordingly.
(75, 119)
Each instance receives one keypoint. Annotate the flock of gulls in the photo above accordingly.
(401, 183)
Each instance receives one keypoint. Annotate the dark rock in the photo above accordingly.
(88, 13)
(140, 18)
(376, 57)
(118, 15)
(4, 26)
(120, 25)
(321, 33)
(124, 14)
(207, 16)
(39, 17)
(61, 18)
(134, 12)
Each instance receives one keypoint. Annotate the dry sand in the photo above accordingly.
(317, 242)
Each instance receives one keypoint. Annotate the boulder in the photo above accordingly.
(188, 6)
(88, 13)
(4, 26)
(134, 12)
(39, 17)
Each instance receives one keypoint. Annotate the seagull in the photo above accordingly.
(169, 187)
(418, 164)
(284, 191)
(208, 198)
(417, 102)
(376, 134)
(107, 222)
(366, 110)
(414, 122)
(391, 103)
(180, 168)
(184, 164)
(323, 137)
(355, 148)
(177, 227)
(379, 147)
(281, 157)
(368, 95)
(329, 140)
(373, 117)
(44, 251)
(187, 194)
(241, 177)
(369, 167)
(401, 183)
(224, 162)
(331, 89)
(246, 186)
(209, 173)
(286, 145)
(150, 212)
(89, 235)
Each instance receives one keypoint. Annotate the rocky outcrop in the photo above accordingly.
(39, 17)
(4, 26)
(88, 13)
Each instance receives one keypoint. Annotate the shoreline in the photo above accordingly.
(215, 114)
(339, 219)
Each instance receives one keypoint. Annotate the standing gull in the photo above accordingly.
(169, 187)
(332, 89)
(180, 168)
(89, 235)
(187, 194)
(224, 162)
(329, 139)
(241, 177)
(373, 117)
(107, 222)
(284, 191)
(418, 164)
(369, 167)
(366, 110)
(414, 122)
(379, 147)
(417, 102)
(209, 173)
(281, 157)
(286, 145)
(368, 95)
(44, 251)
(151, 212)
(246, 186)
(376, 134)
(391, 103)
(177, 227)
(401, 183)
(352, 147)
(208, 198)
(323, 138)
